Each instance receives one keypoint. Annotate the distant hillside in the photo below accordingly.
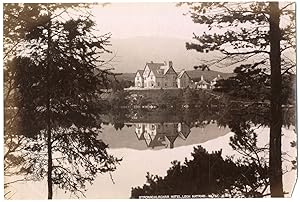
(132, 54)
(126, 76)
(207, 75)
(194, 74)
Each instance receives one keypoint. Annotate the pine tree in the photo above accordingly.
(253, 30)
(51, 81)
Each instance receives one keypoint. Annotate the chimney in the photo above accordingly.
(165, 63)
(202, 78)
(152, 62)
(170, 64)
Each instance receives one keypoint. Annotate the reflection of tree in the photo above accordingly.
(77, 157)
(119, 99)
(168, 100)
(246, 175)
(209, 175)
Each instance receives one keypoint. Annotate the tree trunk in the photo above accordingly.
(50, 191)
(48, 115)
(276, 110)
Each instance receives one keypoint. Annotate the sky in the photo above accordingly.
(126, 20)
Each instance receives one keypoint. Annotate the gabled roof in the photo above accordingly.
(171, 138)
(219, 77)
(203, 82)
(155, 68)
(208, 75)
(142, 137)
(140, 72)
(164, 69)
(157, 72)
(185, 131)
(182, 73)
(153, 142)
(154, 65)
(168, 69)
(159, 69)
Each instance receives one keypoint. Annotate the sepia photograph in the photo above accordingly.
(149, 100)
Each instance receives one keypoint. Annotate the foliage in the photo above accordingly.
(264, 31)
(168, 100)
(202, 67)
(78, 156)
(121, 84)
(208, 175)
(190, 97)
(119, 99)
(52, 86)
(252, 83)
(249, 82)
(20, 18)
(241, 32)
(243, 27)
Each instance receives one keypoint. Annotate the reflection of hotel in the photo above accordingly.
(161, 134)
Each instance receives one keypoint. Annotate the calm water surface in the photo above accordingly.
(150, 147)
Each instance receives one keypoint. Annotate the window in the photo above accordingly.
(165, 84)
(153, 127)
(158, 83)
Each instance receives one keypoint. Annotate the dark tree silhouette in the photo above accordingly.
(253, 84)
(52, 89)
(202, 67)
(208, 175)
(248, 30)
(211, 175)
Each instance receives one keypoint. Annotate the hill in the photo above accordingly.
(126, 76)
(132, 54)
(207, 75)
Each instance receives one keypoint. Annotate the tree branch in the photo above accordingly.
(244, 53)
(287, 6)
